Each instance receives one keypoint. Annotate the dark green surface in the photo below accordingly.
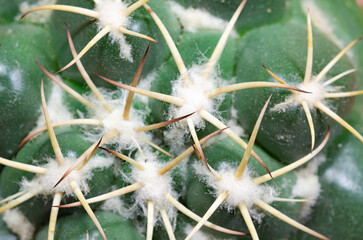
(20, 81)
(76, 226)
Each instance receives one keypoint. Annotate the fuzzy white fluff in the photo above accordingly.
(194, 19)
(114, 120)
(45, 183)
(36, 17)
(194, 96)
(57, 110)
(111, 14)
(194, 100)
(344, 172)
(154, 187)
(116, 205)
(316, 94)
(239, 190)
(307, 184)
(19, 224)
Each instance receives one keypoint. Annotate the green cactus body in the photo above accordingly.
(116, 227)
(20, 93)
(191, 70)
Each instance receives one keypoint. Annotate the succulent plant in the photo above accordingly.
(181, 119)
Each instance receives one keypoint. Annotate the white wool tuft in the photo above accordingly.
(194, 19)
(194, 96)
(116, 205)
(316, 94)
(45, 183)
(114, 120)
(19, 224)
(307, 184)
(36, 17)
(57, 110)
(112, 14)
(239, 190)
(155, 187)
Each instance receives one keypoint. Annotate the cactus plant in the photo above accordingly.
(193, 91)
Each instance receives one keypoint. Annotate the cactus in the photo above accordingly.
(173, 137)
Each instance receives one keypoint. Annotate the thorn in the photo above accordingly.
(311, 124)
(130, 9)
(197, 144)
(220, 199)
(84, 73)
(251, 142)
(201, 158)
(339, 76)
(135, 34)
(77, 191)
(179, 158)
(309, 58)
(123, 157)
(167, 224)
(53, 215)
(113, 194)
(293, 165)
(162, 124)
(196, 218)
(66, 8)
(89, 45)
(95, 122)
(150, 220)
(159, 96)
(222, 41)
(52, 136)
(339, 120)
(23, 166)
(84, 157)
(157, 147)
(335, 60)
(213, 120)
(274, 75)
(287, 219)
(247, 85)
(173, 49)
(134, 84)
(26, 196)
(247, 218)
(73, 93)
